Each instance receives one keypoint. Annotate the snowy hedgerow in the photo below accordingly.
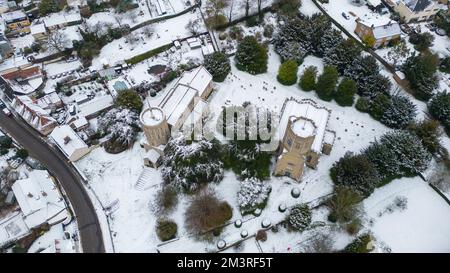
(366, 73)
(355, 172)
(218, 65)
(401, 112)
(420, 71)
(308, 79)
(343, 55)
(188, 165)
(408, 150)
(439, 108)
(120, 127)
(251, 56)
(287, 73)
(300, 217)
(253, 194)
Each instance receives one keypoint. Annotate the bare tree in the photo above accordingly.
(215, 7)
(230, 14)
(247, 5)
(148, 31)
(259, 5)
(131, 38)
(57, 41)
(193, 26)
(319, 243)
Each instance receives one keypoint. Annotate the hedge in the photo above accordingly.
(139, 58)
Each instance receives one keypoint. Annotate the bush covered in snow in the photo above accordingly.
(129, 99)
(253, 194)
(439, 108)
(218, 65)
(300, 217)
(120, 127)
(343, 55)
(166, 229)
(251, 56)
(401, 112)
(420, 71)
(188, 165)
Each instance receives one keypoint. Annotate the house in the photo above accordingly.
(416, 10)
(152, 158)
(304, 136)
(24, 81)
(378, 31)
(50, 102)
(56, 20)
(39, 31)
(40, 200)
(96, 106)
(72, 146)
(17, 21)
(34, 115)
(4, 7)
(6, 49)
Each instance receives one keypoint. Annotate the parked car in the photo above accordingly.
(440, 32)
(345, 15)
(6, 112)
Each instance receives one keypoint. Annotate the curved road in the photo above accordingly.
(88, 225)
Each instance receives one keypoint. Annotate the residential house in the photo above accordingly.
(17, 21)
(304, 136)
(34, 115)
(24, 81)
(72, 146)
(39, 31)
(6, 49)
(416, 10)
(378, 31)
(40, 200)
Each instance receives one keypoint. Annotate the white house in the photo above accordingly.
(40, 200)
(72, 146)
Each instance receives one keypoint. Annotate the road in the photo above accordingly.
(90, 233)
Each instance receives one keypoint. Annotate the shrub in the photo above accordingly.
(167, 199)
(422, 41)
(369, 40)
(326, 83)
(216, 21)
(439, 108)
(287, 73)
(253, 194)
(268, 31)
(379, 105)
(300, 217)
(3, 151)
(146, 55)
(344, 204)
(345, 93)
(308, 79)
(444, 66)
(129, 99)
(5, 142)
(166, 229)
(428, 132)
(251, 56)
(359, 245)
(22, 153)
(252, 21)
(355, 172)
(218, 65)
(261, 235)
(400, 113)
(420, 71)
(206, 212)
(363, 105)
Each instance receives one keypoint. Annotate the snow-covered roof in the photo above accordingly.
(36, 116)
(12, 227)
(176, 103)
(14, 15)
(303, 127)
(56, 19)
(39, 199)
(197, 113)
(96, 105)
(418, 5)
(199, 79)
(382, 27)
(152, 116)
(80, 122)
(374, 3)
(67, 140)
(307, 109)
(152, 155)
(37, 29)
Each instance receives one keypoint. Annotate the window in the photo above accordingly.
(287, 173)
(289, 142)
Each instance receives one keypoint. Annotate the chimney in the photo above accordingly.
(66, 139)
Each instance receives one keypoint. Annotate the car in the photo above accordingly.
(440, 32)
(53, 77)
(6, 112)
(345, 15)
(2, 104)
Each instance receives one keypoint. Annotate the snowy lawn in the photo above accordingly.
(424, 226)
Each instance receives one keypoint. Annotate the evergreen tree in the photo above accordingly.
(428, 132)
(342, 55)
(308, 79)
(251, 56)
(420, 71)
(129, 99)
(345, 93)
(300, 217)
(355, 172)
(379, 105)
(329, 40)
(422, 41)
(287, 73)
(218, 65)
(439, 108)
(363, 105)
(383, 159)
(366, 73)
(326, 83)
(400, 112)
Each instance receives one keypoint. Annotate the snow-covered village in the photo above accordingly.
(224, 126)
